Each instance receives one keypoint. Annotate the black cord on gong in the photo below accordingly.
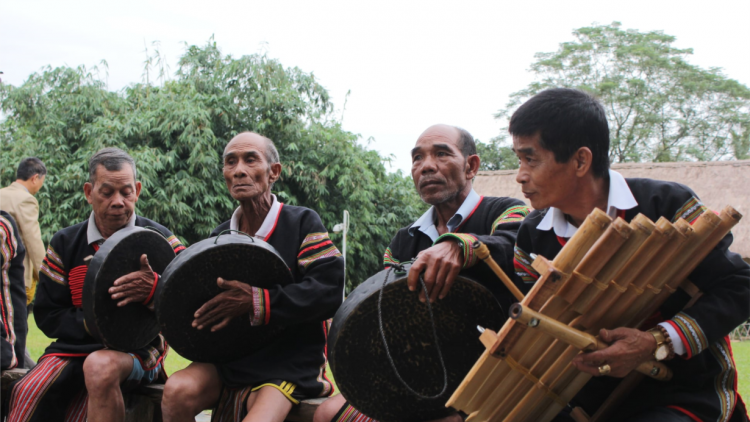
(434, 333)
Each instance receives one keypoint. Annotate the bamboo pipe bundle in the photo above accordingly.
(588, 267)
(710, 234)
(489, 372)
(606, 245)
(579, 284)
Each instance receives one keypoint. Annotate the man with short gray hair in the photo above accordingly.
(77, 379)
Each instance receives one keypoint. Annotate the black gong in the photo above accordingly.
(190, 281)
(359, 360)
(132, 326)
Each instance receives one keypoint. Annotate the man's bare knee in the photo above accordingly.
(181, 390)
(328, 409)
(106, 369)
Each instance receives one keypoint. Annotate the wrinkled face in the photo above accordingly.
(439, 170)
(246, 169)
(113, 196)
(544, 181)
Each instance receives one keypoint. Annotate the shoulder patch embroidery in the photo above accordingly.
(726, 380)
(388, 259)
(690, 211)
(522, 264)
(316, 246)
(9, 244)
(53, 268)
(511, 215)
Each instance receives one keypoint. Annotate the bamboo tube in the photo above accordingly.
(638, 285)
(578, 245)
(702, 229)
(641, 229)
(729, 217)
(573, 387)
(484, 254)
(595, 259)
(579, 339)
(640, 261)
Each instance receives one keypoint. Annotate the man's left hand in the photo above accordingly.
(235, 301)
(134, 287)
(628, 348)
(441, 264)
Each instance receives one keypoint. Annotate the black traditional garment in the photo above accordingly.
(298, 356)
(705, 380)
(48, 391)
(13, 295)
(492, 220)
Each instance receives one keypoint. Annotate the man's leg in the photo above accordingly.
(268, 404)
(329, 409)
(189, 391)
(104, 371)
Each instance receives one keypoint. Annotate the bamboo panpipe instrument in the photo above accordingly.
(484, 254)
(579, 339)
(606, 268)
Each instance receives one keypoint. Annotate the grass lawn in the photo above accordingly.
(741, 351)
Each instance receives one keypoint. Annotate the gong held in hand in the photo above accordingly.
(398, 359)
(132, 326)
(190, 281)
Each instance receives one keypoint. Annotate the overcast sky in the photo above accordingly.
(408, 64)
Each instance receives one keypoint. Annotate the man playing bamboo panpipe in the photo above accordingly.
(561, 138)
(444, 163)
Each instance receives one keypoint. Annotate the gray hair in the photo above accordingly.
(112, 159)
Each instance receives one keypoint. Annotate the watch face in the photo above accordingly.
(662, 351)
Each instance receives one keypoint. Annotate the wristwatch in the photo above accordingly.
(663, 344)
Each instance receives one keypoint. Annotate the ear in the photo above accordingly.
(582, 159)
(472, 166)
(138, 187)
(87, 188)
(275, 172)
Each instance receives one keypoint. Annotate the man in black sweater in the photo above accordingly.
(444, 163)
(77, 379)
(561, 138)
(265, 384)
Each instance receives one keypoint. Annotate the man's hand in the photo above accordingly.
(134, 287)
(441, 264)
(628, 348)
(236, 301)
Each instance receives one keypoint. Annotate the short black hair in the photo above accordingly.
(466, 142)
(112, 159)
(566, 120)
(28, 167)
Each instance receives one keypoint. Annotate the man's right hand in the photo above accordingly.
(441, 264)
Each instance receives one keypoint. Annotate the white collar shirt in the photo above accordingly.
(93, 234)
(620, 198)
(426, 223)
(268, 223)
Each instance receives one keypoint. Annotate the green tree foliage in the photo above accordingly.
(177, 130)
(496, 155)
(659, 106)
